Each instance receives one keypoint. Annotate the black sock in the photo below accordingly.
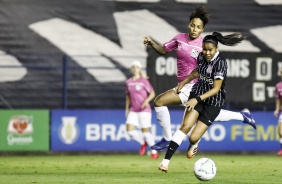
(173, 146)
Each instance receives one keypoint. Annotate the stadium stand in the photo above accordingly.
(92, 37)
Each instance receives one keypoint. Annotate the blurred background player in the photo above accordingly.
(207, 94)
(278, 96)
(138, 112)
(187, 47)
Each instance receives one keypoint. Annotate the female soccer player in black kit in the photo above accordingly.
(207, 95)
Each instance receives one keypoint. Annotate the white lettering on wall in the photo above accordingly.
(104, 132)
(216, 133)
(92, 132)
(258, 92)
(122, 133)
(238, 68)
(263, 68)
(165, 66)
(112, 132)
(270, 91)
(108, 130)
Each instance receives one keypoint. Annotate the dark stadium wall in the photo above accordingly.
(99, 39)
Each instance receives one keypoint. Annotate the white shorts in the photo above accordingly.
(185, 93)
(280, 118)
(139, 119)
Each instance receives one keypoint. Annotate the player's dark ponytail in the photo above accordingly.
(229, 40)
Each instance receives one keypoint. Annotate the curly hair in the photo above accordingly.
(201, 13)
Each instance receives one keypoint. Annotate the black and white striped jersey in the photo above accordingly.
(208, 72)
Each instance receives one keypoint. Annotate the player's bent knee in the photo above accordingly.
(144, 130)
(185, 130)
(158, 102)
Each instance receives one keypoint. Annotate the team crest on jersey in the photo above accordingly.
(179, 47)
(209, 69)
(138, 87)
(194, 53)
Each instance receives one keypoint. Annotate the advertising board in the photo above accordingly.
(24, 130)
(105, 130)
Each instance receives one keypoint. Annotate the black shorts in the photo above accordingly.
(207, 113)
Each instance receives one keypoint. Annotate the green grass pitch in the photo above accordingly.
(130, 168)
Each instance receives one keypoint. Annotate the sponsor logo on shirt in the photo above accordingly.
(194, 53)
(138, 87)
(209, 69)
(206, 79)
(179, 47)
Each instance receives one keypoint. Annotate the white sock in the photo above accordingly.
(163, 117)
(153, 151)
(135, 135)
(280, 140)
(178, 137)
(149, 138)
(165, 162)
(225, 115)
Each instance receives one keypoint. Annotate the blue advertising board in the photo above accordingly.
(105, 130)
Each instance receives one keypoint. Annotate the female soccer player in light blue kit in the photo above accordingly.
(187, 47)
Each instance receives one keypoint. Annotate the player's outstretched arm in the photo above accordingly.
(158, 48)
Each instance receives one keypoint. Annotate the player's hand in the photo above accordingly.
(126, 112)
(178, 88)
(147, 41)
(276, 112)
(191, 104)
(145, 103)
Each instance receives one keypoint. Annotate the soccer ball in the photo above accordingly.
(204, 169)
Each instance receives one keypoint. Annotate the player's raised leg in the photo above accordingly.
(244, 116)
(167, 98)
(163, 117)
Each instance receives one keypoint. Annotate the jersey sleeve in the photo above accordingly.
(148, 86)
(171, 45)
(221, 70)
(276, 92)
